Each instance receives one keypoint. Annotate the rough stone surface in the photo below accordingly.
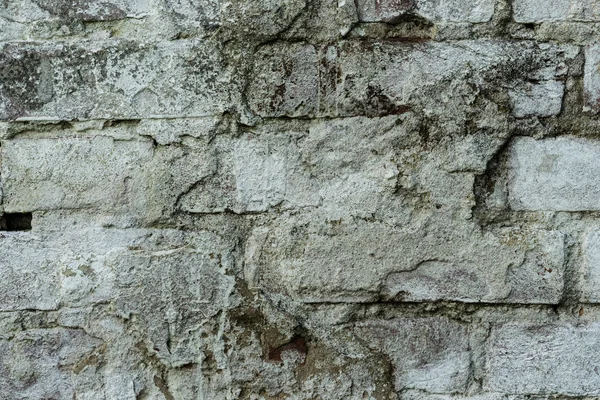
(391, 11)
(440, 365)
(299, 199)
(525, 359)
(591, 292)
(556, 10)
(554, 174)
(121, 80)
(309, 80)
(591, 80)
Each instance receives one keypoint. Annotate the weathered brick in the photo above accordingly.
(431, 354)
(383, 10)
(542, 359)
(591, 276)
(98, 172)
(256, 173)
(30, 278)
(342, 167)
(536, 278)
(121, 80)
(556, 174)
(438, 10)
(106, 10)
(419, 395)
(171, 279)
(306, 80)
(174, 281)
(475, 11)
(591, 78)
(46, 174)
(285, 81)
(42, 363)
(526, 11)
(543, 99)
(358, 262)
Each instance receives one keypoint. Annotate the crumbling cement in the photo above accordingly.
(299, 199)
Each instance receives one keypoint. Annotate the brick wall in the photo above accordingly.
(300, 199)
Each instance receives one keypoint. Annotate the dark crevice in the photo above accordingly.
(15, 222)
(120, 122)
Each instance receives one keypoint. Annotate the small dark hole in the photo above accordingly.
(529, 26)
(15, 222)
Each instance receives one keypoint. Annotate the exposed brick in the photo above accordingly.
(285, 81)
(527, 11)
(475, 11)
(383, 10)
(554, 174)
(30, 278)
(46, 359)
(591, 276)
(431, 354)
(299, 80)
(367, 261)
(540, 359)
(106, 10)
(121, 80)
(542, 99)
(139, 271)
(72, 173)
(438, 10)
(591, 78)
(95, 173)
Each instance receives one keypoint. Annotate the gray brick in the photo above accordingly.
(438, 10)
(98, 173)
(554, 174)
(591, 78)
(39, 363)
(541, 359)
(431, 354)
(591, 273)
(527, 11)
(299, 80)
(368, 261)
(111, 80)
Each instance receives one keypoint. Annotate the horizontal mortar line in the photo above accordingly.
(451, 303)
(151, 117)
(200, 40)
(87, 40)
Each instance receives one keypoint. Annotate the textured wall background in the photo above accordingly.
(300, 199)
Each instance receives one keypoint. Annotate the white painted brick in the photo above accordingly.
(542, 359)
(557, 174)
